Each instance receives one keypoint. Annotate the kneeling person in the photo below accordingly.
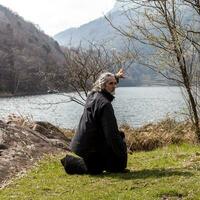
(98, 142)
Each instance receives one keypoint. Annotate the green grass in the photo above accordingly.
(172, 172)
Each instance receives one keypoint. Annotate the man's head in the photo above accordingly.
(106, 81)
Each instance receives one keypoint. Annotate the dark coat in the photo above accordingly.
(98, 133)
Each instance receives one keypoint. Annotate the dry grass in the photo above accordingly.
(145, 138)
(163, 133)
(20, 120)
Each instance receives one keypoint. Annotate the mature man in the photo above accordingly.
(97, 140)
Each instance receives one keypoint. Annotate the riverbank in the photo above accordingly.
(24, 142)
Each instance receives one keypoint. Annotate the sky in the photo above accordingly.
(54, 16)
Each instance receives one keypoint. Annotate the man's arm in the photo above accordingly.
(119, 74)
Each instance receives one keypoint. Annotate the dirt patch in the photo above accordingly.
(22, 143)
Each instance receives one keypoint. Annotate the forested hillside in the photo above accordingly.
(30, 61)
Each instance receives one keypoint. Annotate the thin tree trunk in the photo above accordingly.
(195, 113)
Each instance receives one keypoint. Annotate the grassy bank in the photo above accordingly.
(154, 135)
(171, 172)
(160, 134)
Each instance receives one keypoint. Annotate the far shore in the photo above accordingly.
(10, 95)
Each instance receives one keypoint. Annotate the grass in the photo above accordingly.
(171, 172)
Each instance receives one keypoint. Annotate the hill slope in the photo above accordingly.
(30, 61)
(98, 31)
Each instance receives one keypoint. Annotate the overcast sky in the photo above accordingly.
(54, 16)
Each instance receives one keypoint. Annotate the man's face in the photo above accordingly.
(111, 85)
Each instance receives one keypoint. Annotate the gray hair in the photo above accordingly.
(99, 84)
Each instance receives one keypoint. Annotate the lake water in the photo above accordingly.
(133, 105)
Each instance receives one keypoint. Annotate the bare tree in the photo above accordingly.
(193, 34)
(172, 40)
(195, 4)
(85, 65)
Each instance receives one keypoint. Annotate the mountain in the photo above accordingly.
(101, 32)
(30, 61)
(98, 31)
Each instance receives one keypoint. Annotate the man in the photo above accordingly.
(97, 140)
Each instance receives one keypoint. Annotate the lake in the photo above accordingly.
(135, 106)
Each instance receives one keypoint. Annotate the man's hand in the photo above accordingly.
(120, 73)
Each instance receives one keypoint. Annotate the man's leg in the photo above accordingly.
(114, 163)
(95, 163)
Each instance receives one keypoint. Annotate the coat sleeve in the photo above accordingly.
(111, 132)
(117, 79)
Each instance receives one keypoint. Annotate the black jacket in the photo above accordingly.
(98, 131)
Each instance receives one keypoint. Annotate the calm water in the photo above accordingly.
(133, 105)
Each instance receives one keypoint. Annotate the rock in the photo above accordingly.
(22, 144)
(49, 130)
(3, 146)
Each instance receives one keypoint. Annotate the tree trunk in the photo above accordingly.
(195, 113)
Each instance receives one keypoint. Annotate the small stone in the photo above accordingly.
(3, 146)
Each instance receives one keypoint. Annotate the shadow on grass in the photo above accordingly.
(147, 173)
